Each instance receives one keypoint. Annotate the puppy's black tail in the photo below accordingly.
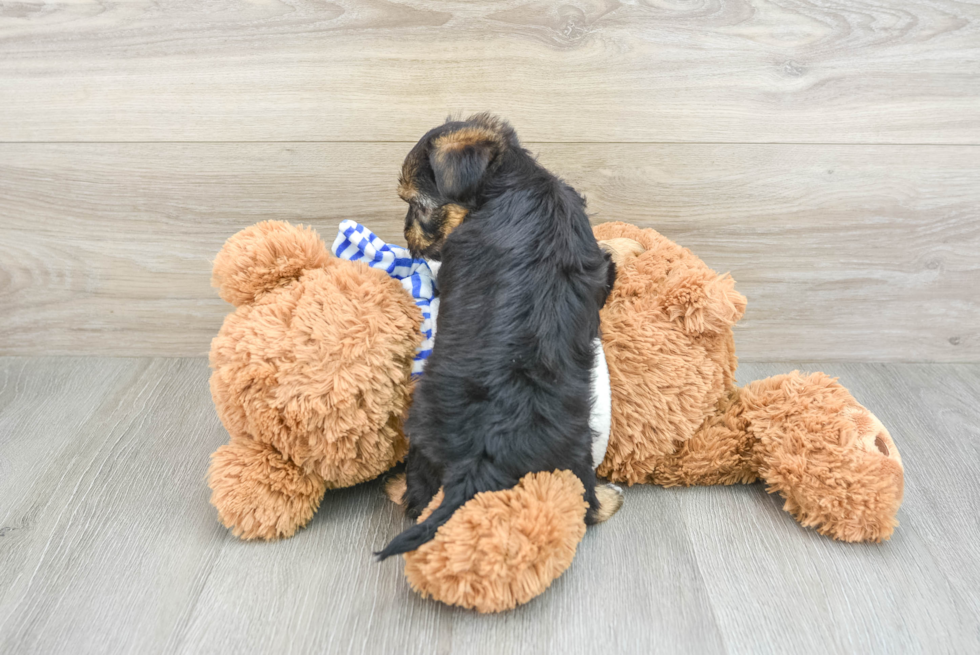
(454, 497)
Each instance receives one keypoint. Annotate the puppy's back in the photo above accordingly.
(507, 388)
(522, 282)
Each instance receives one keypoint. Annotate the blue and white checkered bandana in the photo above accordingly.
(418, 276)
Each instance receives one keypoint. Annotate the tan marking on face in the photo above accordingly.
(610, 500)
(454, 216)
(406, 181)
(406, 190)
(417, 239)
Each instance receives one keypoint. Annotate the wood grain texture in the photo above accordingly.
(108, 544)
(864, 71)
(845, 253)
(770, 575)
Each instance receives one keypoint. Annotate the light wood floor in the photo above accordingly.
(108, 543)
(826, 152)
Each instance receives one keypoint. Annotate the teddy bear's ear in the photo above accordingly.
(700, 300)
(261, 257)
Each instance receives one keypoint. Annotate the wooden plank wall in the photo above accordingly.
(826, 153)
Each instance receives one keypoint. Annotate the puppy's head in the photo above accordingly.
(443, 175)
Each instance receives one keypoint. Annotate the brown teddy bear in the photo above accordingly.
(312, 377)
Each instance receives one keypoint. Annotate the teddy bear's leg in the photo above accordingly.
(831, 459)
(502, 548)
(719, 452)
(258, 493)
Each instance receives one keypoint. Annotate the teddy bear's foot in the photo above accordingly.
(831, 459)
(502, 548)
(258, 493)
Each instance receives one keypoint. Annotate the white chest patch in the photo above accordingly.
(601, 418)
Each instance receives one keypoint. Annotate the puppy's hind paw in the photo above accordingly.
(622, 249)
(395, 488)
(610, 499)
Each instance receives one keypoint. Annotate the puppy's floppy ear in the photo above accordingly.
(460, 159)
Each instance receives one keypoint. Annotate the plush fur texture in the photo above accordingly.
(507, 389)
(678, 416)
(310, 377)
(831, 459)
(502, 549)
(666, 329)
(259, 494)
(679, 419)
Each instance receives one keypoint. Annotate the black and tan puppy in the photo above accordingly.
(507, 389)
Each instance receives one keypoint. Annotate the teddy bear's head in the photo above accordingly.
(315, 360)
